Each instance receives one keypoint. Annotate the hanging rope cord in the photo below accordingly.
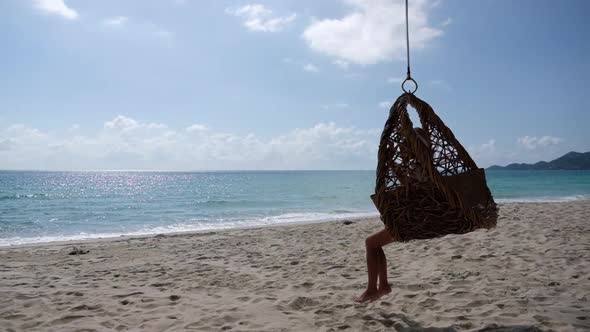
(408, 75)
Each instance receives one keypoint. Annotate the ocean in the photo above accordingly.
(58, 206)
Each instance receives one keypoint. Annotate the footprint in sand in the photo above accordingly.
(67, 319)
(126, 295)
(428, 303)
(16, 316)
(196, 326)
(302, 302)
(324, 312)
(162, 284)
(84, 307)
(306, 285)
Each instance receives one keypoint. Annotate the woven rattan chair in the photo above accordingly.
(449, 197)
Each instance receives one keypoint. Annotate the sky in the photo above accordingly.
(290, 84)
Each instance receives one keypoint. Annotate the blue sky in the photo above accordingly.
(195, 85)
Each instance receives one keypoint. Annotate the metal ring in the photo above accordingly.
(409, 91)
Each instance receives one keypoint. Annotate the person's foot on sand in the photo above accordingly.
(384, 290)
(367, 296)
(372, 295)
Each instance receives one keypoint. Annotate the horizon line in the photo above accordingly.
(186, 171)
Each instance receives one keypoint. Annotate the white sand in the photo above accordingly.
(531, 271)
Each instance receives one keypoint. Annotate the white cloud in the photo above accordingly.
(251, 10)
(549, 140)
(259, 18)
(374, 31)
(126, 143)
(196, 127)
(122, 123)
(485, 148)
(56, 7)
(528, 150)
(20, 133)
(385, 104)
(310, 67)
(487, 153)
(533, 142)
(6, 144)
(116, 21)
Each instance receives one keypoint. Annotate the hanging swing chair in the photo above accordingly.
(427, 184)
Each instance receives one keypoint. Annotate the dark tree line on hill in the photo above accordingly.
(569, 161)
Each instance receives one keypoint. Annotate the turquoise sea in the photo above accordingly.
(56, 206)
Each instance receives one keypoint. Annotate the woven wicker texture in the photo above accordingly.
(428, 188)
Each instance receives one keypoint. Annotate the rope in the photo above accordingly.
(408, 75)
(408, 42)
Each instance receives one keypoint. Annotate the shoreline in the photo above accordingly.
(365, 216)
(188, 233)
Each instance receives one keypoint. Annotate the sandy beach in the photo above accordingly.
(530, 273)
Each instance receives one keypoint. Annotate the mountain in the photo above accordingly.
(569, 161)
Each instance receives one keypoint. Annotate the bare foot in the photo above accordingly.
(383, 290)
(367, 296)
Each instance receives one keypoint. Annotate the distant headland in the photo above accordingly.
(569, 161)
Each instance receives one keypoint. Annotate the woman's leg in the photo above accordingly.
(372, 264)
(376, 266)
(383, 287)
